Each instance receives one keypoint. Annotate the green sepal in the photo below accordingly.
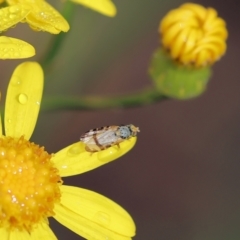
(175, 80)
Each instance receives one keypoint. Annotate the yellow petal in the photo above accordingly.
(50, 20)
(179, 44)
(4, 233)
(211, 16)
(93, 216)
(197, 9)
(23, 100)
(174, 16)
(1, 129)
(74, 159)
(19, 235)
(12, 48)
(42, 231)
(14, 2)
(41, 26)
(106, 7)
(12, 15)
(1, 132)
(173, 31)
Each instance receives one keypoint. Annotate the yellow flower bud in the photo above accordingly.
(194, 35)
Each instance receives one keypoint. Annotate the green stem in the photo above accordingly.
(58, 39)
(145, 97)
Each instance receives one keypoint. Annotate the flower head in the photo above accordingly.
(31, 187)
(40, 16)
(105, 7)
(194, 34)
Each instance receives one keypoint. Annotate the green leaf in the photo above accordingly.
(175, 80)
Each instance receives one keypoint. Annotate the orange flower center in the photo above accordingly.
(29, 184)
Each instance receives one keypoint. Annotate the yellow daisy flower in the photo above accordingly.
(105, 7)
(31, 187)
(40, 16)
(194, 35)
(12, 48)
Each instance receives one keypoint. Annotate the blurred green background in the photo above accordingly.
(181, 181)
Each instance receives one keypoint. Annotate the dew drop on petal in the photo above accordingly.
(109, 154)
(13, 9)
(16, 54)
(12, 16)
(74, 150)
(22, 98)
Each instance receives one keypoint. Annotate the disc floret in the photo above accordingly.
(29, 184)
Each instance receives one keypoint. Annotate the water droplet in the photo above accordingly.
(109, 154)
(12, 16)
(9, 120)
(12, 9)
(38, 103)
(22, 98)
(75, 149)
(16, 81)
(102, 218)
